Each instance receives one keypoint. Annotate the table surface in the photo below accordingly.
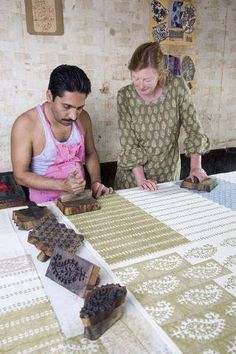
(174, 250)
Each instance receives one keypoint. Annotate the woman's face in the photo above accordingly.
(145, 81)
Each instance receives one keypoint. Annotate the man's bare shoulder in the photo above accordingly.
(84, 116)
(84, 120)
(27, 119)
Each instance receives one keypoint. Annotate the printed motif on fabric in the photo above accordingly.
(124, 231)
(200, 329)
(161, 312)
(162, 286)
(231, 282)
(185, 300)
(229, 242)
(28, 323)
(205, 251)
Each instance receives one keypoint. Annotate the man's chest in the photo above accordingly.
(49, 137)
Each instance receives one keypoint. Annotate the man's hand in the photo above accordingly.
(99, 189)
(73, 184)
(199, 173)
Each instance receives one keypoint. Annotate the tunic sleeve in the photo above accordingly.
(131, 154)
(196, 142)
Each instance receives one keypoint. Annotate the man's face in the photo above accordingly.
(67, 108)
(145, 81)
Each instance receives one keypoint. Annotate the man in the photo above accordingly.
(50, 142)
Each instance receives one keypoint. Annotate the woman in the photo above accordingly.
(151, 112)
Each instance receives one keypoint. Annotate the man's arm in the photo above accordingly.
(22, 136)
(91, 158)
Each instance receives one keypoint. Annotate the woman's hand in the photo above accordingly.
(142, 182)
(196, 169)
(148, 185)
(199, 173)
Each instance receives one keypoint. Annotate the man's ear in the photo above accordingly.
(49, 96)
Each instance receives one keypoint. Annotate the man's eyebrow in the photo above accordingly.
(70, 106)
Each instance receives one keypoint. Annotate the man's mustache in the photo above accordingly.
(69, 120)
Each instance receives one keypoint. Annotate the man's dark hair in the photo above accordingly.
(68, 78)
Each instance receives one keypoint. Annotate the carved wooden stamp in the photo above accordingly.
(76, 204)
(102, 308)
(11, 194)
(205, 186)
(50, 233)
(27, 218)
(74, 273)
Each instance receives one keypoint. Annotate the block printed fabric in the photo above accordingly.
(190, 294)
(27, 320)
(121, 231)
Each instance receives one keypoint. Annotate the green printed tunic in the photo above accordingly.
(149, 133)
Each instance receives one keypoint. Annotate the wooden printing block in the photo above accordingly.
(50, 233)
(11, 193)
(11, 203)
(76, 204)
(205, 186)
(42, 257)
(102, 308)
(72, 272)
(27, 218)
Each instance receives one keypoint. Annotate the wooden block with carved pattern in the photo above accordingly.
(205, 186)
(11, 193)
(29, 217)
(102, 308)
(72, 272)
(71, 204)
(50, 233)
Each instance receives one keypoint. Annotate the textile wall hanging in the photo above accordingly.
(173, 22)
(184, 65)
(44, 17)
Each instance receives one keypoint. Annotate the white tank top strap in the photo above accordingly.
(76, 134)
(41, 162)
(46, 127)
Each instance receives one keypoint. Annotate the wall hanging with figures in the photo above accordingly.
(172, 23)
(184, 65)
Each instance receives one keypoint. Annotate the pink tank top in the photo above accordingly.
(59, 158)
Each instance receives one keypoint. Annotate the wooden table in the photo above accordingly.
(174, 249)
